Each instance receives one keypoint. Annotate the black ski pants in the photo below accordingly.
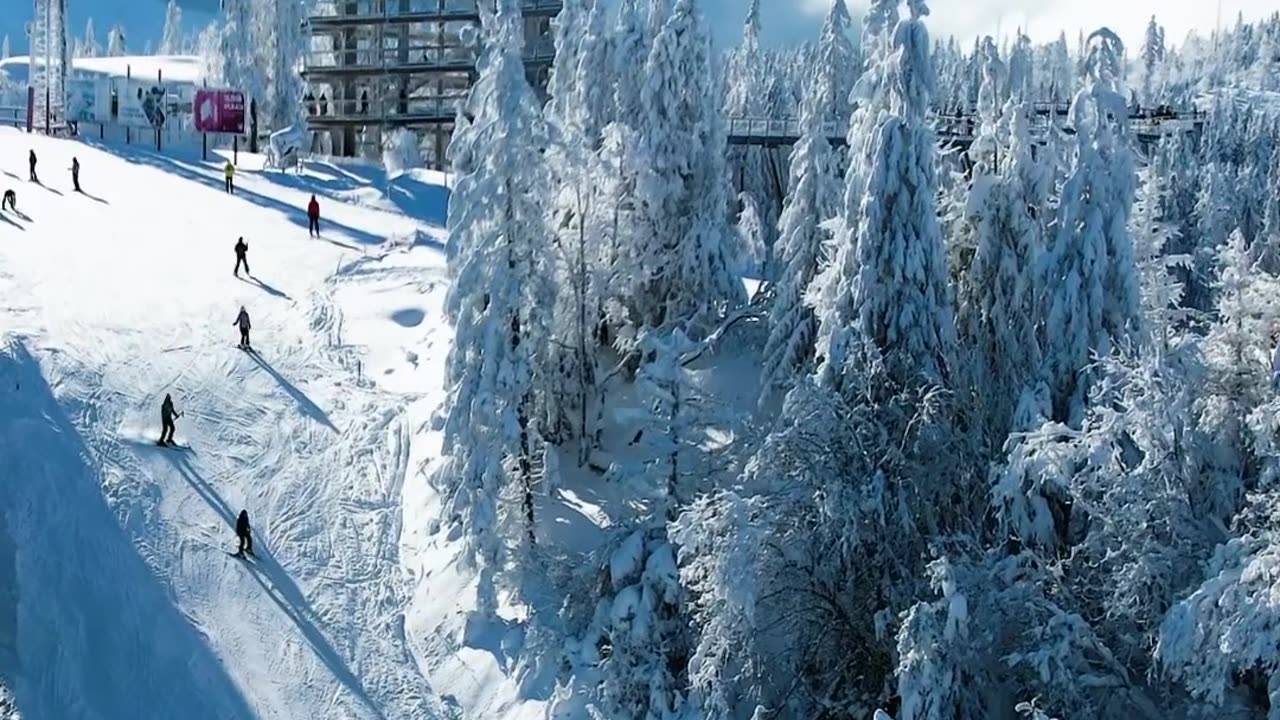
(242, 260)
(314, 226)
(246, 544)
(244, 337)
(166, 429)
(231, 186)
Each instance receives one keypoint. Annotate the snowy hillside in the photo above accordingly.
(125, 601)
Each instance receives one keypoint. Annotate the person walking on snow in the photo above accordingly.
(242, 320)
(244, 534)
(230, 172)
(31, 162)
(242, 257)
(166, 420)
(75, 173)
(313, 217)
(1275, 364)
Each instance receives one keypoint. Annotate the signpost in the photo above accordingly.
(218, 111)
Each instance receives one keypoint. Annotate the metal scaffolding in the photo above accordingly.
(49, 61)
(377, 65)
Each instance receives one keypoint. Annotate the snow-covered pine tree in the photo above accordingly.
(887, 291)
(595, 78)
(116, 42)
(836, 60)
(1153, 52)
(171, 39)
(659, 13)
(630, 52)
(5, 53)
(569, 26)
(89, 47)
(998, 313)
(1088, 276)
(1160, 289)
(497, 240)
(687, 277)
(792, 324)
(1022, 77)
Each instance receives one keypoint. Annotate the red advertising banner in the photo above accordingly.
(219, 111)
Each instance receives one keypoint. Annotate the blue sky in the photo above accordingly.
(785, 21)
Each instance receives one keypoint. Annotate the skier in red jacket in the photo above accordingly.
(313, 215)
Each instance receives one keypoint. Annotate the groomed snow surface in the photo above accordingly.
(118, 598)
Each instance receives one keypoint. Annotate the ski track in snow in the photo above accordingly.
(127, 298)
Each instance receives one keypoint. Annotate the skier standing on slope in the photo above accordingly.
(313, 217)
(243, 321)
(75, 173)
(242, 257)
(31, 163)
(230, 172)
(244, 533)
(166, 420)
(10, 201)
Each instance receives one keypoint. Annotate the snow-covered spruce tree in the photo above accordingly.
(659, 13)
(171, 39)
(400, 151)
(1153, 52)
(792, 324)
(1091, 301)
(745, 84)
(596, 80)
(887, 290)
(1159, 287)
(116, 42)
(569, 26)
(497, 247)
(686, 276)
(89, 47)
(632, 660)
(998, 315)
(836, 61)
(629, 53)
(1022, 70)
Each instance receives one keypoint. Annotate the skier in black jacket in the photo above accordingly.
(244, 533)
(166, 420)
(242, 257)
(31, 162)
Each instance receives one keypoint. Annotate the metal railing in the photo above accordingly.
(12, 115)
(410, 59)
(755, 127)
(339, 12)
(387, 110)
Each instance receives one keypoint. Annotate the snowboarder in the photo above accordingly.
(10, 200)
(31, 162)
(242, 257)
(313, 217)
(245, 535)
(166, 420)
(75, 173)
(230, 172)
(242, 320)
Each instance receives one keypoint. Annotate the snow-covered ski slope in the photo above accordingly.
(117, 596)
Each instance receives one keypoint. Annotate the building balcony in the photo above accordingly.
(338, 14)
(370, 62)
(374, 112)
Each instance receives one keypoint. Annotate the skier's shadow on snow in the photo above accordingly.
(5, 217)
(285, 594)
(281, 588)
(266, 288)
(94, 198)
(310, 408)
(202, 487)
(55, 191)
